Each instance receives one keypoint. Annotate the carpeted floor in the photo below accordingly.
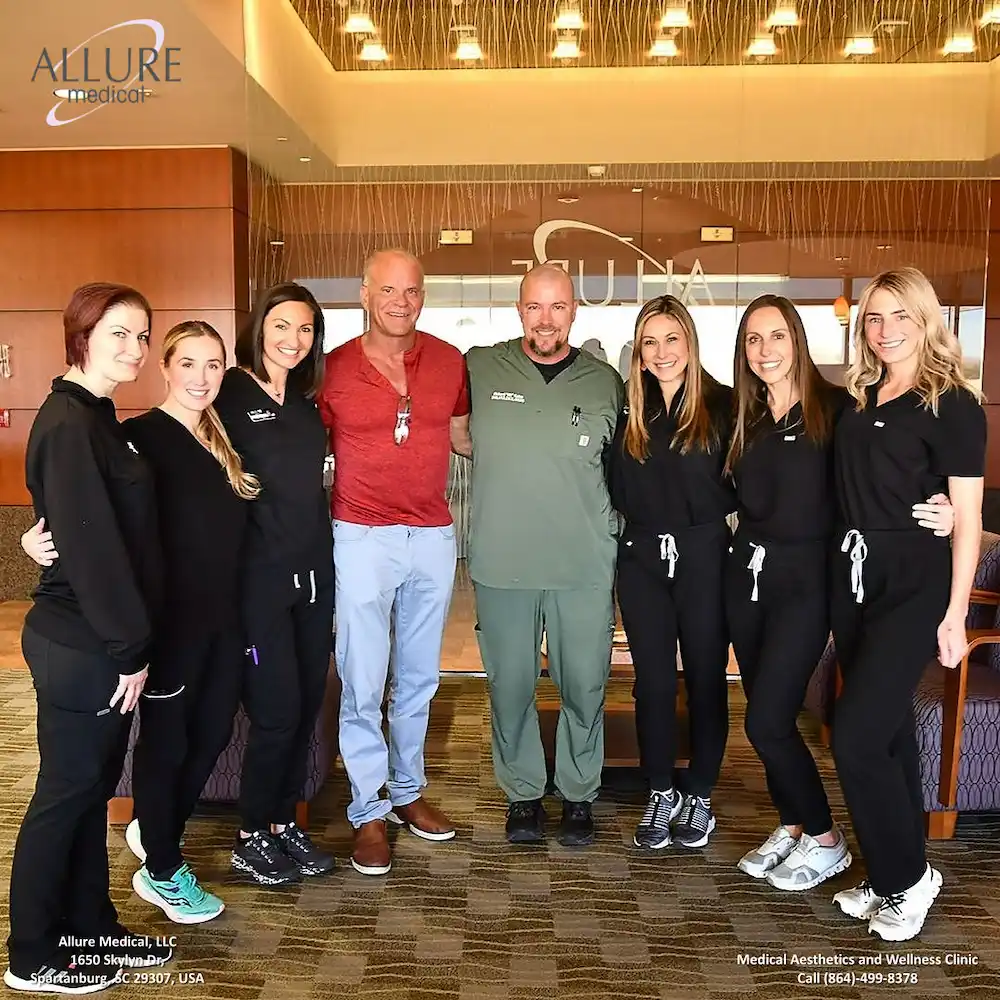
(475, 918)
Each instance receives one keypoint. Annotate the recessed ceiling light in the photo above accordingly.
(841, 260)
(358, 22)
(568, 199)
(860, 45)
(991, 15)
(373, 51)
(566, 48)
(282, 138)
(663, 48)
(305, 159)
(569, 18)
(762, 46)
(676, 17)
(277, 243)
(784, 15)
(637, 190)
(959, 45)
(884, 246)
(468, 49)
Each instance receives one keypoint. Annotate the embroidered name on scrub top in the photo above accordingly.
(260, 415)
(508, 397)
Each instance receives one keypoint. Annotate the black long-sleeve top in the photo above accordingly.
(201, 523)
(96, 494)
(672, 491)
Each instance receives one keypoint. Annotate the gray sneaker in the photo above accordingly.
(653, 831)
(758, 862)
(810, 863)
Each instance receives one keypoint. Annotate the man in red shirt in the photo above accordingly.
(396, 403)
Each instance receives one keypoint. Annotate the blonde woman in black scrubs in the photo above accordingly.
(899, 595)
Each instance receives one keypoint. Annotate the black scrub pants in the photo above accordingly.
(59, 877)
(186, 720)
(884, 643)
(288, 624)
(658, 611)
(779, 625)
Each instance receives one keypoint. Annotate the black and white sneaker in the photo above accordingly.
(695, 822)
(653, 831)
(60, 974)
(526, 822)
(261, 857)
(297, 845)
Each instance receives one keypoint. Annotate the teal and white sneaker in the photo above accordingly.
(134, 841)
(181, 897)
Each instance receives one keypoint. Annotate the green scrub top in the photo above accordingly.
(541, 514)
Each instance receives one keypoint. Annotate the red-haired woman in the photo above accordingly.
(85, 640)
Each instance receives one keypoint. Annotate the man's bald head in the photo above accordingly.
(547, 308)
(392, 293)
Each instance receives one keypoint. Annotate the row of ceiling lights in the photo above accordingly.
(569, 23)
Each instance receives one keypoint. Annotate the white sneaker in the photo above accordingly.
(810, 863)
(758, 862)
(902, 915)
(859, 902)
(134, 841)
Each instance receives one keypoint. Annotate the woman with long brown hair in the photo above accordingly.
(898, 595)
(196, 658)
(777, 596)
(667, 480)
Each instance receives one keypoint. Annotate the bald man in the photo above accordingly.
(542, 551)
(395, 401)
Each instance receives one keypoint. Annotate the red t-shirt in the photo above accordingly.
(376, 481)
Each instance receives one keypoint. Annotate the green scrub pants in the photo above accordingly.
(579, 626)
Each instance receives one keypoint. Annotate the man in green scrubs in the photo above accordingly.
(542, 551)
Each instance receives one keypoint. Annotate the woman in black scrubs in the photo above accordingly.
(777, 595)
(898, 594)
(86, 640)
(667, 480)
(267, 407)
(196, 660)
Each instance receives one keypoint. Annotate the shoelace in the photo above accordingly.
(521, 810)
(189, 884)
(695, 813)
(579, 810)
(893, 902)
(657, 814)
(298, 837)
(266, 846)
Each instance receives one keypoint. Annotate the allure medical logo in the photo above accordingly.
(90, 77)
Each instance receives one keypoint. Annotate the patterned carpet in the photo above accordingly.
(475, 918)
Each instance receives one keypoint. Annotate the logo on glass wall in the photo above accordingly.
(684, 286)
(104, 68)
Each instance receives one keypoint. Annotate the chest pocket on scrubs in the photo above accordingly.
(585, 436)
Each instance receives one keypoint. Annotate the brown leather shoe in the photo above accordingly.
(371, 854)
(423, 819)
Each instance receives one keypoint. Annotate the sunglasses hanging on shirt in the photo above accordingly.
(402, 431)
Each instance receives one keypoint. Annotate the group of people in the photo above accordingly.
(190, 564)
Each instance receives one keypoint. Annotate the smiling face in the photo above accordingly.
(118, 345)
(194, 371)
(393, 294)
(288, 334)
(769, 345)
(663, 349)
(890, 331)
(547, 309)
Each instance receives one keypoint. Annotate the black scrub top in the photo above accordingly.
(890, 457)
(671, 491)
(785, 481)
(284, 446)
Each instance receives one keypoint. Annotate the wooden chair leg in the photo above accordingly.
(941, 825)
(302, 815)
(824, 734)
(120, 811)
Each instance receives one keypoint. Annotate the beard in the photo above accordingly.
(546, 352)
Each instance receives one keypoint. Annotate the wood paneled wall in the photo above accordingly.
(173, 223)
(991, 344)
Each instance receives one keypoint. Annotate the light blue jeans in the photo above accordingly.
(404, 576)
